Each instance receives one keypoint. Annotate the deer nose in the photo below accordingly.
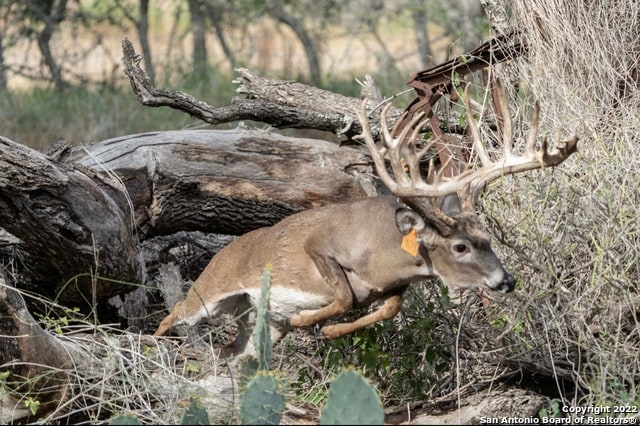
(508, 283)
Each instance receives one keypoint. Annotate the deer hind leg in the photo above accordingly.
(388, 310)
(188, 311)
(169, 321)
(333, 274)
(240, 307)
(245, 320)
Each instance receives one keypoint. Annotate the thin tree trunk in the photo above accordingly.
(51, 17)
(3, 71)
(420, 22)
(308, 42)
(44, 38)
(215, 13)
(198, 28)
(143, 35)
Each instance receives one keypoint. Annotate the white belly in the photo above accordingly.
(284, 302)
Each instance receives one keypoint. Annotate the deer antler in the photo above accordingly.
(509, 163)
(422, 195)
(408, 184)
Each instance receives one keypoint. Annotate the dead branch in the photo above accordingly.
(282, 104)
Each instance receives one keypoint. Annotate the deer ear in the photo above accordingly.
(407, 219)
(450, 205)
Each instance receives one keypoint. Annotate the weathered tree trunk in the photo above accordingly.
(72, 222)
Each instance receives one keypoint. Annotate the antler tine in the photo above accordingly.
(533, 132)
(391, 144)
(507, 129)
(531, 159)
(377, 151)
(414, 155)
(412, 127)
(475, 132)
(400, 148)
(387, 138)
(439, 174)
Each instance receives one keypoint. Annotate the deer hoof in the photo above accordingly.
(332, 332)
(297, 320)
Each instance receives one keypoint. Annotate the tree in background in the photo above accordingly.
(240, 30)
(139, 17)
(37, 20)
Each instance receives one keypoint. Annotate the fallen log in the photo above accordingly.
(83, 212)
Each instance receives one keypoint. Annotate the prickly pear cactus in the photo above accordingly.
(247, 369)
(124, 420)
(262, 403)
(261, 335)
(352, 401)
(195, 415)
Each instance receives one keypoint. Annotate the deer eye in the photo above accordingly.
(460, 248)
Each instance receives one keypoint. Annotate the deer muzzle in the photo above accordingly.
(507, 284)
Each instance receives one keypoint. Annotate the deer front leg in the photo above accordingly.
(333, 274)
(388, 310)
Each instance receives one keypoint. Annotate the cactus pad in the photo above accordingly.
(352, 401)
(262, 403)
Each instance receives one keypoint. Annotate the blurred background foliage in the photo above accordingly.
(61, 78)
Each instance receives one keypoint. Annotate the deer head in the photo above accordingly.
(461, 246)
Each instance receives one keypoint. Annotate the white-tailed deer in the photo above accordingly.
(328, 260)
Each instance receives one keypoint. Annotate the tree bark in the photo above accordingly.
(74, 223)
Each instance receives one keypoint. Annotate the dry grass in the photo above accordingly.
(573, 239)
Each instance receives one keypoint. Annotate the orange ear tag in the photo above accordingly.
(410, 243)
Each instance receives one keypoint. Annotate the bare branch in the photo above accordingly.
(275, 102)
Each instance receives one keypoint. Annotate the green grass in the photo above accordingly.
(41, 116)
